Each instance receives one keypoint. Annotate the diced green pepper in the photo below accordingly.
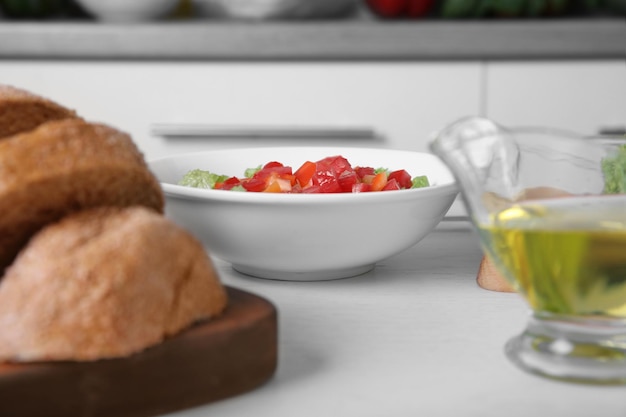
(420, 182)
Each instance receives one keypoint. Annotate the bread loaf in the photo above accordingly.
(490, 278)
(66, 166)
(104, 283)
(21, 111)
(91, 268)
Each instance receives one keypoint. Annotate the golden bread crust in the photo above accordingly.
(21, 111)
(65, 166)
(104, 283)
(490, 278)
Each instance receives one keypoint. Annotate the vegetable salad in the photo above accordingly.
(333, 174)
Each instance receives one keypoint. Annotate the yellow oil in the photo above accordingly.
(567, 256)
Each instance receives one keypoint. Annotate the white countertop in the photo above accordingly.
(414, 337)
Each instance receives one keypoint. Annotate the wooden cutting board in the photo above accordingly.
(210, 361)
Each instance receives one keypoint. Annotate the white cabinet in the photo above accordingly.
(404, 102)
(580, 96)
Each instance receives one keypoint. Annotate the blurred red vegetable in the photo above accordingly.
(401, 8)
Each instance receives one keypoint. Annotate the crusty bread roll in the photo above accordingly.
(21, 111)
(490, 278)
(65, 166)
(104, 283)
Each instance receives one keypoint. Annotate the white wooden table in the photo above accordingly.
(414, 337)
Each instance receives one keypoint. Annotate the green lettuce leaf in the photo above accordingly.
(249, 173)
(614, 170)
(201, 179)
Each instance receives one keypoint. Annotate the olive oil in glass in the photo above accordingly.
(567, 256)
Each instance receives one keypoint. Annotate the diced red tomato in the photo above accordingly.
(228, 184)
(273, 164)
(361, 187)
(268, 175)
(391, 185)
(313, 189)
(347, 179)
(254, 185)
(326, 180)
(305, 173)
(363, 171)
(267, 172)
(334, 174)
(402, 177)
(337, 164)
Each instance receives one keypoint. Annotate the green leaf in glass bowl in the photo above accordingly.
(614, 170)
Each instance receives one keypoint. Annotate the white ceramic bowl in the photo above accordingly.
(128, 10)
(274, 9)
(305, 237)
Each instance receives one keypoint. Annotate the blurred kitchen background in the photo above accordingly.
(187, 75)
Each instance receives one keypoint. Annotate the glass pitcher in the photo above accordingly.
(550, 211)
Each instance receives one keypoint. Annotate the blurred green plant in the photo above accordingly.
(40, 9)
(454, 9)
